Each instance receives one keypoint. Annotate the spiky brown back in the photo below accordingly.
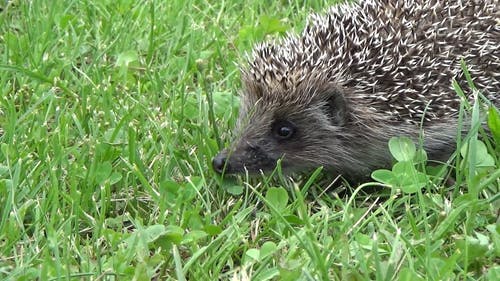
(397, 57)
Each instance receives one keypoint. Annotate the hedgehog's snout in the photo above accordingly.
(246, 158)
(219, 162)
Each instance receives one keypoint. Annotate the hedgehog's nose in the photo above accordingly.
(219, 162)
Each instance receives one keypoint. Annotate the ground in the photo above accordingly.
(110, 112)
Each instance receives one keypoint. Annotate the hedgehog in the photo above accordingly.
(358, 75)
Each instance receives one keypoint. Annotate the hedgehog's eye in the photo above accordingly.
(283, 130)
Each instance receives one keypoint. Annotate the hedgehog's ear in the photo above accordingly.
(336, 107)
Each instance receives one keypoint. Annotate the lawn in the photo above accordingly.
(110, 113)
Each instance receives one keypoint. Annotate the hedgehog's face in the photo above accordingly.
(299, 134)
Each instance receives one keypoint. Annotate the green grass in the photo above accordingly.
(110, 112)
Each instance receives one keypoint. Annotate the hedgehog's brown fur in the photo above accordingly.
(359, 75)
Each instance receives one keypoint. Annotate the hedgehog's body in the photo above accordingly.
(359, 75)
